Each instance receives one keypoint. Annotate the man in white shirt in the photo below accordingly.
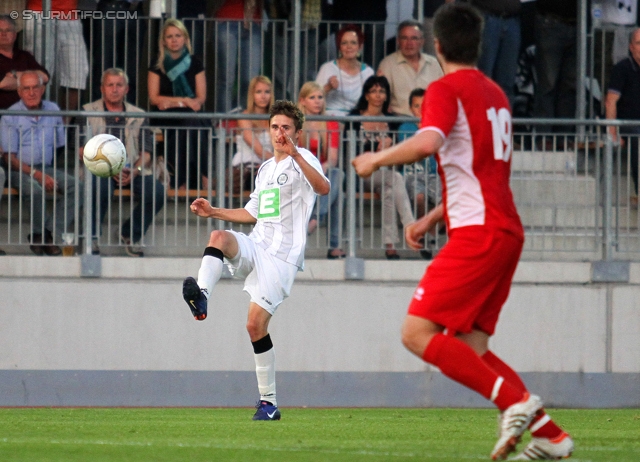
(270, 256)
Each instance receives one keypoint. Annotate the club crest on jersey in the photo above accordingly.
(282, 179)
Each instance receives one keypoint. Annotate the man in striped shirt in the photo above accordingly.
(270, 256)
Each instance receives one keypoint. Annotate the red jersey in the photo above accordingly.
(56, 5)
(472, 114)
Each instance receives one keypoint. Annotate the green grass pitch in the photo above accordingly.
(179, 434)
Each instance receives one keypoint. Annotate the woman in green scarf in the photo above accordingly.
(177, 83)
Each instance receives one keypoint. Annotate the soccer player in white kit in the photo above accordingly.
(280, 207)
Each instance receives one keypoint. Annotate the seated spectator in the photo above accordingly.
(408, 68)
(140, 177)
(342, 79)
(177, 83)
(322, 138)
(253, 141)
(422, 183)
(12, 62)
(375, 136)
(623, 102)
(29, 144)
(68, 51)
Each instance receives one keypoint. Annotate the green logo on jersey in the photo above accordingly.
(269, 203)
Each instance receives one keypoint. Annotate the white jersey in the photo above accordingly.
(282, 203)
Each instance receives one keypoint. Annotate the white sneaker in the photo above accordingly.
(515, 420)
(560, 447)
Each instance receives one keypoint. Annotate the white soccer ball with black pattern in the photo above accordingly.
(104, 155)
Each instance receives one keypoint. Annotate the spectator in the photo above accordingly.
(623, 100)
(555, 61)
(29, 144)
(342, 79)
(177, 83)
(140, 178)
(322, 138)
(500, 42)
(375, 136)
(237, 48)
(408, 68)
(429, 9)
(253, 141)
(12, 62)
(68, 50)
(373, 14)
(8, 6)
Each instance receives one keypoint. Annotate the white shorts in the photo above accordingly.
(67, 53)
(268, 280)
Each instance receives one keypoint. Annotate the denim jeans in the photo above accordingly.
(555, 65)
(234, 40)
(146, 191)
(329, 207)
(58, 220)
(500, 50)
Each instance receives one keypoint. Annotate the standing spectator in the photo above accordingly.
(7, 6)
(455, 308)
(342, 78)
(376, 136)
(140, 178)
(322, 138)
(408, 68)
(500, 42)
(177, 83)
(12, 62)
(555, 61)
(29, 144)
(371, 14)
(238, 50)
(623, 100)
(67, 52)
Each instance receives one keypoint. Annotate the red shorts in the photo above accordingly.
(466, 285)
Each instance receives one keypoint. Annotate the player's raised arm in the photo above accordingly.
(422, 144)
(203, 208)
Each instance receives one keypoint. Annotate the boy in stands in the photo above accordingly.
(270, 256)
(466, 122)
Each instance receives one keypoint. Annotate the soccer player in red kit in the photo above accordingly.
(466, 122)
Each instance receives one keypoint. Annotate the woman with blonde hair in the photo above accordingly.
(253, 141)
(322, 138)
(177, 83)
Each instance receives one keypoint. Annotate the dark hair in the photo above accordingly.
(458, 29)
(349, 28)
(416, 93)
(289, 109)
(410, 23)
(373, 81)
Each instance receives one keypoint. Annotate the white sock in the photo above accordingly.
(209, 273)
(266, 373)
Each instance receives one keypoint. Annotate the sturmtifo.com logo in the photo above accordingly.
(74, 14)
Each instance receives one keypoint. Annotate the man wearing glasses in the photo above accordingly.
(408, 68)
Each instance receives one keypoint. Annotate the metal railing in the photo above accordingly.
(576, 196)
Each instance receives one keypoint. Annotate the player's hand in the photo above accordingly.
(202, 207)
(414, 234)
(365, 164)
(285, 144)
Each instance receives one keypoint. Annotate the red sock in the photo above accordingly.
(504, 370)
(459, 362)
(543, 427)
(540, 428)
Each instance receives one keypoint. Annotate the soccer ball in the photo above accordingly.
(104, 155)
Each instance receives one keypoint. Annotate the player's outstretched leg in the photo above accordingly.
(515, 420)
(196, 293)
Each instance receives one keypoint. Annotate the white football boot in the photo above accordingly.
(557, 448)
(515, 420)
